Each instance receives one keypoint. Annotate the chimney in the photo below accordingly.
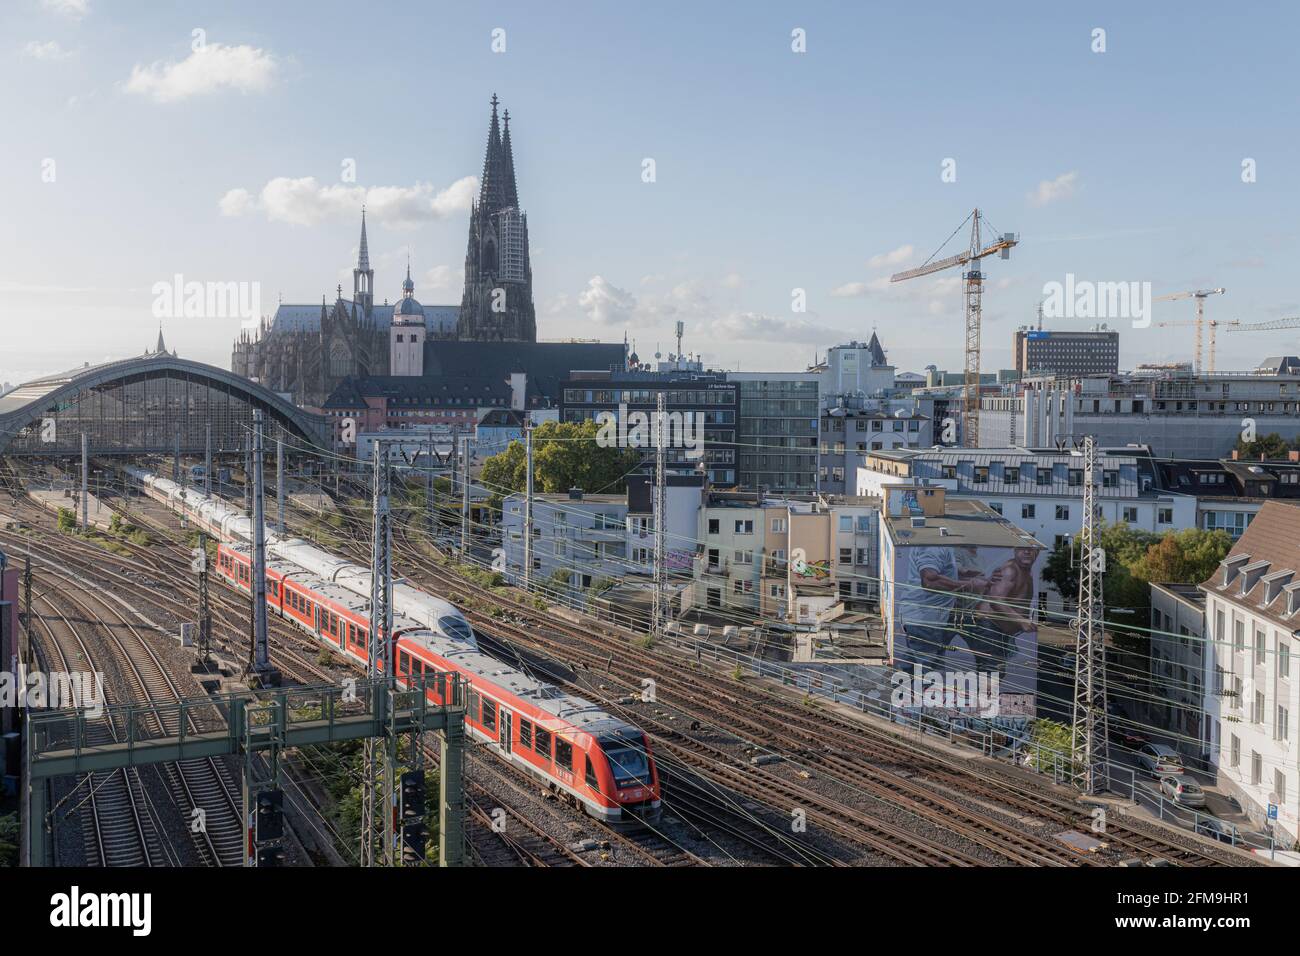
(1234, 454)
(1293, 455)
(575, 494)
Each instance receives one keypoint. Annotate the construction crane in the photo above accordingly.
(972, 292)
(1292, 322)
(1214, 326)
(1200, 295)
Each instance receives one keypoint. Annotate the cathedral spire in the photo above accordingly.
(508, 160)
(363, 257)
(493, 187)
(363, 277)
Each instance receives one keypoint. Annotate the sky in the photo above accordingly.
(801, 153)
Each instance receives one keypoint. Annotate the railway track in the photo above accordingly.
(825, 739)
(122, 838)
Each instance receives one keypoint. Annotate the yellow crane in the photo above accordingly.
(1213, 324)
(972, 292)
(1200, 295)
(1292, 322)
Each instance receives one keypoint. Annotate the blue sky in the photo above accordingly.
(775, 170)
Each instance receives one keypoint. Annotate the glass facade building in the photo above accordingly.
(777, 431)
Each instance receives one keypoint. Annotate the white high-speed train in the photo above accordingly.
(226, 523)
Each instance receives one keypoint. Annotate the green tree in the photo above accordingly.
(1271, 445)
(565, 455)
(1184, 557)
(67, 520)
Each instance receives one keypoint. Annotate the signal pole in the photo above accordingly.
(248, 476)
(659, 612)
(207, 459)
(204, 663)
(259, 664)
(85, 482)
(528, 505)
(279, 481)
(1089, 741)
(464, 498)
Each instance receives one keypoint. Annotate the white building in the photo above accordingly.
(1040, 492)
(1252, 612)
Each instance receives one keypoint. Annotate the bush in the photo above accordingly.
(67, 521)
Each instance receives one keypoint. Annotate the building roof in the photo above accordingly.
(1187, 593)
(424, 391)
(1263, 564)
(502, 418)
(547, 364)
(964, 523)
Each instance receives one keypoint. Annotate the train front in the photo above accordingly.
(635, 776)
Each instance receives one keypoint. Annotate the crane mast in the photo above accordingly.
(972, 293)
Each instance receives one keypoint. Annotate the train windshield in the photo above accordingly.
(455, 627)
(628, 760)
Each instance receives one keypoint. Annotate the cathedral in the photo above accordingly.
(306, 351)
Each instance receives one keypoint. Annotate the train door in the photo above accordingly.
(505, 725)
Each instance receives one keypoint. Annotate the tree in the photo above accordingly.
(1271, 445)
(1134, 561)
(565, 455)
(1184, 557)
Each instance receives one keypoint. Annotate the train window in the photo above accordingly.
(473, 706)
(543, 745)
(591, 775)
(525, 733)
(403, 663)
(628, 760)
(563, 753)
(455, 627)
(489, 715)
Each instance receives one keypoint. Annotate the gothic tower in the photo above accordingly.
(363, 277)
(498, 302)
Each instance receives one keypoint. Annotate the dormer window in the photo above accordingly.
(1232, 565)
(1273, 585)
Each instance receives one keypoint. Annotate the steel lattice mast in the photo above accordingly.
(1089, 742)
(659, 612)
(379, 664)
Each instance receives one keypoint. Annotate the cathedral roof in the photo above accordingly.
(306, 318)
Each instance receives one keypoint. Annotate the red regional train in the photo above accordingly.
(595, 760)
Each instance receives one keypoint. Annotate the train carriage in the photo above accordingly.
(598, 762)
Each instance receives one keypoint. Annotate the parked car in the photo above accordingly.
(1183, 790)
(1159, 760)
(1217, 829)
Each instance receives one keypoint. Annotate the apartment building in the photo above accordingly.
(1038, 491)
(1177, 667)
(1229, 492)
(577, 537)
(1177, 413)
(1252, 611)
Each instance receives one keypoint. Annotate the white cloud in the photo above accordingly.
(305, 202)
(762, 327)
(72, 9)
(732, 280)
(49, 50)
(853, 290)
(1050, 190)
(236, 202)
(439, 277)
(895, 257)
(605, 303)
(211, 68)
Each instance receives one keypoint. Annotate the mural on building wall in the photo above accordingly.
(965, 608)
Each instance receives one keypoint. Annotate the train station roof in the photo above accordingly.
(53, 394)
